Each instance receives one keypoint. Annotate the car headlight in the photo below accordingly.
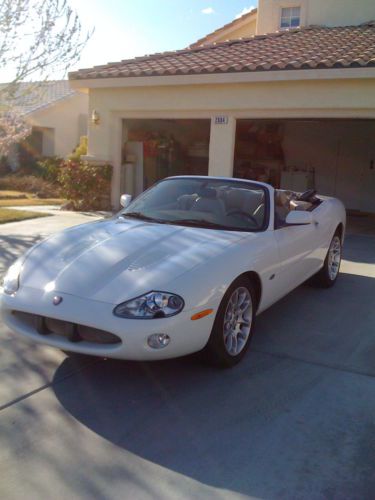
(152, 305)
(11, 279)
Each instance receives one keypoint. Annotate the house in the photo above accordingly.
(57, 115)
(291, 102)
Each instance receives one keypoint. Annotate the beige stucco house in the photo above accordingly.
(56, 113)
(291, 102)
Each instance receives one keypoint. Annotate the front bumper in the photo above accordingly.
(187, 336)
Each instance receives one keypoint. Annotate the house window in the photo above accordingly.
(290, 17)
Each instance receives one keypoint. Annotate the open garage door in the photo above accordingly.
(157, 148)
(336, 157)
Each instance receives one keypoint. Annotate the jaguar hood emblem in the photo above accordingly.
(57, 300)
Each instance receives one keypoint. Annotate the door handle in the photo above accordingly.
(372, 165)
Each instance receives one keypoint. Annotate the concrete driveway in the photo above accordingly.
(295, 420)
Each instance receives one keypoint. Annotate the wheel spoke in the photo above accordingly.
(228, 343)
(227, 329)
(245, 304)
(240, 299)
(234, 344)
(241, 335)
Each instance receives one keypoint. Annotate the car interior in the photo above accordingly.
(225, 203)
(286, 201)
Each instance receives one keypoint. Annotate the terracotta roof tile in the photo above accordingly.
(31, 97)
(303, 48)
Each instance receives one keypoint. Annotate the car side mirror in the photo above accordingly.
(125, 200)
(299, 218)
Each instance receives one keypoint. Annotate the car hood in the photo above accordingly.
(118, 259)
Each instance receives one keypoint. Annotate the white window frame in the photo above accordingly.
(290, 16)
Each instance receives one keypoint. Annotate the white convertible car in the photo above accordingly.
(185, 267)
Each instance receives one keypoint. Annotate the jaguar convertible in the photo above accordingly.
(185, 267)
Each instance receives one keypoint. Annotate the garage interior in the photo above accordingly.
(157, 148)
(335, 157)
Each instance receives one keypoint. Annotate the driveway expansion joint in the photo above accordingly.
(337, 368)
(46, 386)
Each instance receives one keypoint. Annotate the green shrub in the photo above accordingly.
(48, 168)
(29, 184)
(80, 150)
(86, 186)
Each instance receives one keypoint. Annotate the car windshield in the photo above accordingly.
(202, 202)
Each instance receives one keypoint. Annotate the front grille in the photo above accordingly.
(71, 331)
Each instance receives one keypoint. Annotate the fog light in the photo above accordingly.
(158, 340)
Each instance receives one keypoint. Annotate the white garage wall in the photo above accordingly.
(340, 153)
(313, 144)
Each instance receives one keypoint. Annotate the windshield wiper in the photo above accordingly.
(202, 223)
(140, 216)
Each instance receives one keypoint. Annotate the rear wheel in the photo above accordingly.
(328, 275)
(233, 326)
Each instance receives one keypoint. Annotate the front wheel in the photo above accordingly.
(233, 326)
(328, 275)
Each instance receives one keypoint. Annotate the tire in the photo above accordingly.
(329, 273)
(229, 340)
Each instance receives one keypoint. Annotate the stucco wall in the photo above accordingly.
(245, 31)
(316, 12)
(65, 118)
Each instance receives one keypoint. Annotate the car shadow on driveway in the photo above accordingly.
(11, 247)
(295, 417)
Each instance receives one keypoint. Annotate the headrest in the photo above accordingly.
(208, 193)
(282, 198)
(241, 196)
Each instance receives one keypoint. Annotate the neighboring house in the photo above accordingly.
(57, 114)
(274, 15)
(293, 105)
(242, 27)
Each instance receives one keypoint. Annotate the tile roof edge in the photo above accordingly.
(259, 70)
(37, 82)
(75, 75)
(188, 50)
(52, 103)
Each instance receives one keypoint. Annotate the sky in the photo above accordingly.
(129, 28)
(124, 29)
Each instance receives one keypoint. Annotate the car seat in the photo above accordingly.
(208, 201)
(282, 207)
(186, 201)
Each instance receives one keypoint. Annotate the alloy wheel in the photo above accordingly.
(238, 320)
(334, 258)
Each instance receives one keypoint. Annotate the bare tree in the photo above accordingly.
(38, 39)
(13, 129)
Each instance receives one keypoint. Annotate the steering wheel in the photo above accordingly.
(236, 211)
(307, 195)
